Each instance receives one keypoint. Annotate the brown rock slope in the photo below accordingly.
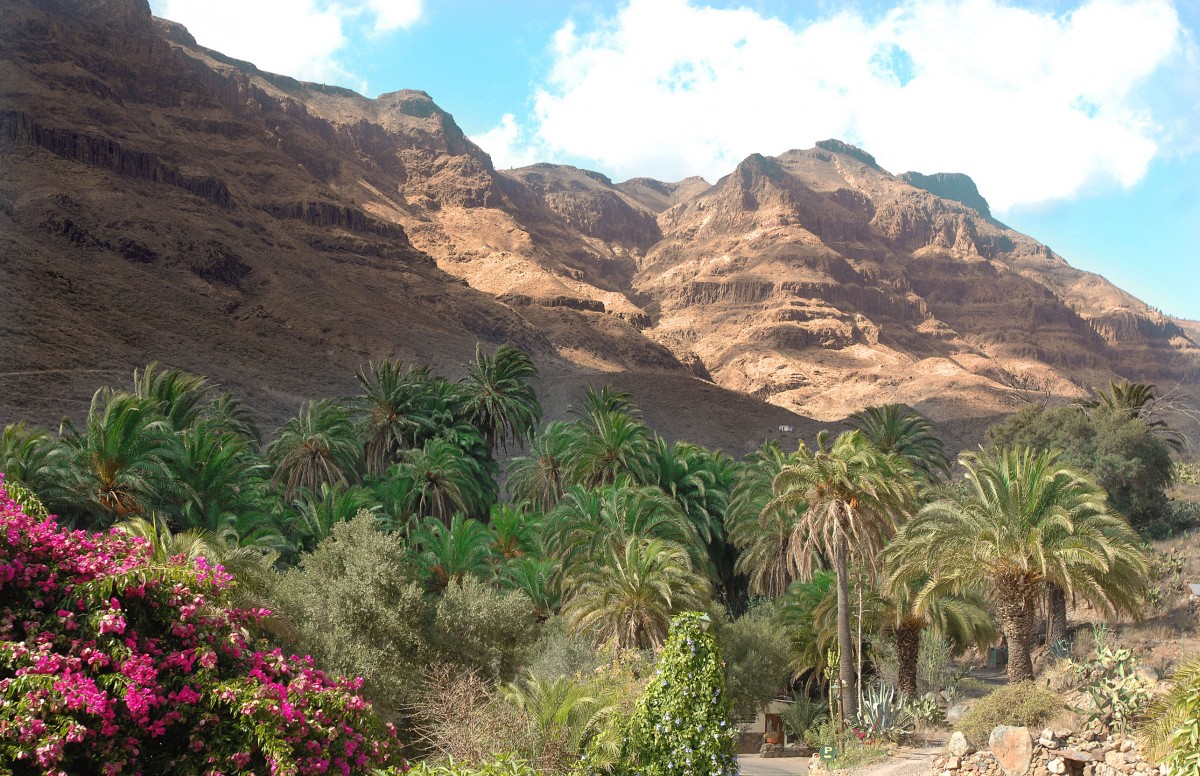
(159, 200)
(817, 280)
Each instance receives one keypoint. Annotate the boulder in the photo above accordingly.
(1012, 748)
(956, 713)
(959, 746)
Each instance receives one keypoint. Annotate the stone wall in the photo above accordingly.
(1013, 751)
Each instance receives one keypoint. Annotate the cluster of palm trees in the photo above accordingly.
(602, 520)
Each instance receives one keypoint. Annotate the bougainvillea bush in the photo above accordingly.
(111, 664)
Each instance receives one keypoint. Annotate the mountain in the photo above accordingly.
(159, 200)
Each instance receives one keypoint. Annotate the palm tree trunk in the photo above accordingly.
(849, 693)
(908, 647)
(1056, 614)
(1015, 611)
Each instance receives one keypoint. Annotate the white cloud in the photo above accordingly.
(299, 38)
(1035, 106)
(509, 145)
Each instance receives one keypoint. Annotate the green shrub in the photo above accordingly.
(757, 654)
(1023, 703)
(682, 725)
(481, 628)
(1171, 733)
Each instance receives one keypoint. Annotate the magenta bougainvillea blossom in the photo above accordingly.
(111, 664)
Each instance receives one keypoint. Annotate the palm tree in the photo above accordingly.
(39, 462)
(1136, 400)
(563, 711)
(700, 482)
(908, 434)
(617, 446)
(316, 447)
(444, 480)
(178, 396)
(451, 552)
(229, 414)
(605, 401)
(498, 397)
(587, 524)
(317, 513)
(851, 496)
(537, 578)
(393, 409)
(761, 536)
(1023, 520)
(628, 597)
(1171, 732)
(899, 612)
(537, 479)
(120, 463)
(224, 481)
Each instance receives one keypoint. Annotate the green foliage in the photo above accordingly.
(481, 628)
(1171, 732)
(884, 714)
(908, 434)
(317, 446)
(27, 499)
(803, 715)
(354, 605)
(925, 710)
(1020, 704)
(757, 654)
(502, 765)
(1117, 692)
(682, 724)
(1123, 453)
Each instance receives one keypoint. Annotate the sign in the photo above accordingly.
(828, 753)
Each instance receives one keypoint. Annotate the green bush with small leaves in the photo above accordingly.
(1021, 704)
(683, 724)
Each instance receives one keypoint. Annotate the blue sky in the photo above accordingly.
(1079, 119)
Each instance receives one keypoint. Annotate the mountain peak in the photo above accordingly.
(956, 186)
(842, 147)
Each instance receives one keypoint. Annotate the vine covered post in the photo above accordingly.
(683, 724)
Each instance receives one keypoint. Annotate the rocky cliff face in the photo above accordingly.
(161, 200)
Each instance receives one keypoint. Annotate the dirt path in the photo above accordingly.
(906, 762)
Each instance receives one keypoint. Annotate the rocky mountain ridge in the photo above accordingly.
(162, 200)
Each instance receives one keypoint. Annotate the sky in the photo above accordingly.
(1079, 120)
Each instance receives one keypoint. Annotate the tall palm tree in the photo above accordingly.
(499, 399)
(1023, 520)
(178, 396)
(120, 462)
(224, 481)
(394, 411)
(316, 447)
(628, 597)
(538, 478)
(444, 480)
(700, 482)
(586, 524)
(852, 496)
(227, 413)
(617, 446)
(762, 537)
(604, 401)
(907, 433)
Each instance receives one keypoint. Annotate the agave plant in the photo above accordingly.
(884, 713)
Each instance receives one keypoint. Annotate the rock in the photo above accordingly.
(1062, 734)
(959, 746)
(1013, 749)
(953, 764)
(1075, 754)
(1056, 765)
(1114, 759)
(956, 713)
(1126, 745)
